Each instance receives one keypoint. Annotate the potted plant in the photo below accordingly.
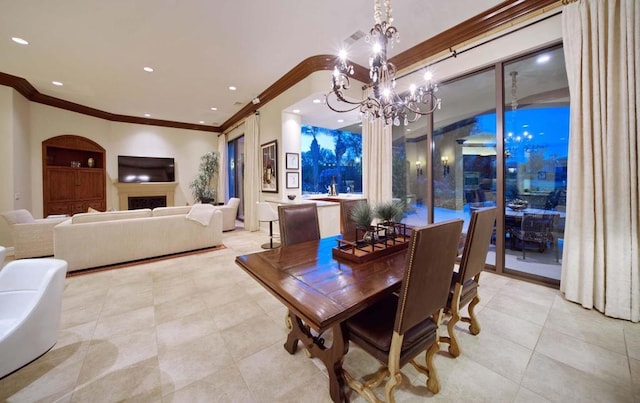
(362, 215)
(204, 184)
(389, 213)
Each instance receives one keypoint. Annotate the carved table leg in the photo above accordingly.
(291, 345)
(332, 356)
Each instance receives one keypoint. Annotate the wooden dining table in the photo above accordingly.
(321, 293)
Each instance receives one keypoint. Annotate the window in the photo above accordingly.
(331, 155)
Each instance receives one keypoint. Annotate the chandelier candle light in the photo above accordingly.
(384, 103)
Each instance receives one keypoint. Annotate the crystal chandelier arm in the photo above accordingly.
(384, 103)
(338, 94)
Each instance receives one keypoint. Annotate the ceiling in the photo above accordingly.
(197, 48)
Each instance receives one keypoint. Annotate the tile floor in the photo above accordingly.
(197, 328)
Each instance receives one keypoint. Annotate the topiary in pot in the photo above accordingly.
(362, 215)
(389, 213)
(204, 184)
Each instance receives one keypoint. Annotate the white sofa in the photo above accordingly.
(30, 304)
(98, 239)
(31, 237)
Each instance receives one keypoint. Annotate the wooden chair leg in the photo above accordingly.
(432, 379)
(395, 377)
(451, 339)
(474, 325)
(472, 320)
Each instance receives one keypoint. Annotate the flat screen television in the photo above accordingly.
(145, 169)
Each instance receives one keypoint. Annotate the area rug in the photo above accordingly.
(144, 261)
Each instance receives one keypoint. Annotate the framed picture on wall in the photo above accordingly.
(293, 161)
(293, 180)
(269, 167)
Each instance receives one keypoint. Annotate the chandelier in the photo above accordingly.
(518, 142)
(384, 103)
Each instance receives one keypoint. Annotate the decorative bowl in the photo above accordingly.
(291, 197)
(518, 205)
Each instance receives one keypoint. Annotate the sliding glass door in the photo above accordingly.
(500, 139)
(536, 143)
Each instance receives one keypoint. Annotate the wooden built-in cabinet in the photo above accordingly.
(69, 189)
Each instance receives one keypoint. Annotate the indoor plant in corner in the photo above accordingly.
(362, 215)
(204, 184)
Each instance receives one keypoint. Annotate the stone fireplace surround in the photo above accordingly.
(146, 189)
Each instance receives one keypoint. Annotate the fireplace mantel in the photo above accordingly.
(131, 189)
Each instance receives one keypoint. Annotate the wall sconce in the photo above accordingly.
(445, 165)
(418, 168)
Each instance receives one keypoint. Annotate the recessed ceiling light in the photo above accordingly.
(232, 88)
(147, 115)
(213, 108)
(340, 120)
(543, 59)
(20, 40)
(201, 122)
(58, 83)
(316, 101)
(296, 111)
(148, 69)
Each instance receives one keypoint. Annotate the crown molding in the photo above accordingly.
(504, 14)
(28, 91)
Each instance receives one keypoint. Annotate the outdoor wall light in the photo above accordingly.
(418, 168)
(445, 165)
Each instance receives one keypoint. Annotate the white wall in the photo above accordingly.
(22, 196)
(6, 160)
(6, 148)
(186, 146)
(273, 123)
(24, 125)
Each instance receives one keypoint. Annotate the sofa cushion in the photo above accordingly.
(164, 211)
(110, 216)
(18, 217)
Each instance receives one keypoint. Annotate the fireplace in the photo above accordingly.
(145, 195)
(138, 202)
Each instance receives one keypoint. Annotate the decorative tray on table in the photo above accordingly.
(380, 240)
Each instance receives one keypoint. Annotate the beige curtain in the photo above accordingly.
(251, 171)
(600, 267)
(377, 160)
(222, 191)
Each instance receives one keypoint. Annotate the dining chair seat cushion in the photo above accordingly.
(372, 330)
(469, 290)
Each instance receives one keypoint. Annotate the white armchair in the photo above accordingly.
(229, 214)
(31, 237)
(30, 304)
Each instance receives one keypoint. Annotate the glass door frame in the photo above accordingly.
(500, 243)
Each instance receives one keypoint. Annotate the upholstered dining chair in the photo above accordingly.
(464, 284)
(347, 225)
(298, 223)
(399, 328)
